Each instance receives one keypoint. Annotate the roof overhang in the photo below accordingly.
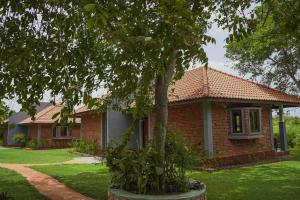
(274, 104)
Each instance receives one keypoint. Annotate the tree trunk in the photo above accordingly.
(161, 109)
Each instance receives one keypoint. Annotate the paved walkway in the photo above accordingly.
(45, 184)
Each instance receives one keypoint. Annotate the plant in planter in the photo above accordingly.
(139, 171)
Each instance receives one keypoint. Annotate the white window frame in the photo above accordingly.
(58, 132)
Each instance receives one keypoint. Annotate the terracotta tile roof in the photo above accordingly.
(82, 109)
(45, 116)
(208, 83)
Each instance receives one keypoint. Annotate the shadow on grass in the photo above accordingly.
(273, 181)
(93, 184)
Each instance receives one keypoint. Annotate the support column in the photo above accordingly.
(140, 137)
(271, 129)
(39, 133)
(207, 125)
(81, 132)
(282, 130)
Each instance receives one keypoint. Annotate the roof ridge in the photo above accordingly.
(253, 82)
(37, 114)
(46, 111)
(41, 113)
(205, 82)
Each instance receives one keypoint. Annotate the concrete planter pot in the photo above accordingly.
(116, 194)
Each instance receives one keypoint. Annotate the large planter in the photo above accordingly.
(116, 194)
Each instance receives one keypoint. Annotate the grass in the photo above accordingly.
(88, 179)
(274, 181)
(26, 156)
(17, 186)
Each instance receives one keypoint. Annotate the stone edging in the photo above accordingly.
(116, 194)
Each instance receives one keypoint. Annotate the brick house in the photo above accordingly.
(225, 116)
(44, 130)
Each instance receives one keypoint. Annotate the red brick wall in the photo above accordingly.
(32, 131)
(188, 119)
(221, 129)
(47, 139)
(91, 127)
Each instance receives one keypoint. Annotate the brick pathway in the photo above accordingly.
(45, 184)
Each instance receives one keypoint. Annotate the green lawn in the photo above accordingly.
(17, 186)
(263, 182)
(88, 179)
(25, 156)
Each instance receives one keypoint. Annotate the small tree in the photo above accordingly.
(133, 49)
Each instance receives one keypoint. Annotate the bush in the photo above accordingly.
(19, 139)
(139, 170)
(32, 143)
(89, 147)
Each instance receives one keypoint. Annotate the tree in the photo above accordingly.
(134, 49)
(272, 53)
(4, 114)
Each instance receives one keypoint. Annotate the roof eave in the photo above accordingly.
(275, 104)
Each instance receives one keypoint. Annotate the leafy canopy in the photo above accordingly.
(74, 48)
(271, 54)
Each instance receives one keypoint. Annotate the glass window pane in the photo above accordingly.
(64, 131)
(237, 122)
(54, 132)
(254, 120)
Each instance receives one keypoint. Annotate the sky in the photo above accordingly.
(216, 59)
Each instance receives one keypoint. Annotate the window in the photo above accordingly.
(254, 120)
(245, 123)
(237, 122)
(61, 132)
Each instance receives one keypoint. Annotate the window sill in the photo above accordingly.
(244, 136)
(62, 138)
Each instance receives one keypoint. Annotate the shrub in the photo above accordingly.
(89, 147)
(19, 138)
(139, 170)
(32, 143)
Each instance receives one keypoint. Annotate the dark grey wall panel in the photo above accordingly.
(18, 117)
(117, 125)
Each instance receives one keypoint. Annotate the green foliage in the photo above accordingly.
(271, 53)
(89, 147)
(292, 130)
(32, 144)
(19, 138)
(140, 170)
(90, 44)
(4, 114)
